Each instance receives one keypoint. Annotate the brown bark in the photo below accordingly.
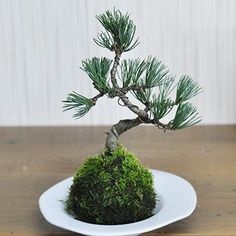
(118, 129)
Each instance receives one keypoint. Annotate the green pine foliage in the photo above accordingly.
(119, 31)
(156, 73)
(143, 95)
(81, 104)
(112, 188)
(160, 106)
(147, 73)
(97, 70)
(148, 80)
(166, 88)
(186, 116)
(186, 89)
(131, 72)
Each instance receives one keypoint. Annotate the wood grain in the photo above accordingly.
(33, 159)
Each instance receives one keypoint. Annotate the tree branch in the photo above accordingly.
(114, 69)
(134, 108)
(94, 99)
(121, 94)
(132, 88)
(124, 125)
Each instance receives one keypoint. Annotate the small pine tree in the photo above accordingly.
(113, 187)
(137, 78)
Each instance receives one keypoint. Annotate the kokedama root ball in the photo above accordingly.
(112, 188)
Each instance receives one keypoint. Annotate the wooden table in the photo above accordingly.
(33, 159)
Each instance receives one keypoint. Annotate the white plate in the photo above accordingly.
(177, 200)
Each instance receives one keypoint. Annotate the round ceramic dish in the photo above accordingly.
(176, 200)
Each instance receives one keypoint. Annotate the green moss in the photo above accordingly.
(112, 188)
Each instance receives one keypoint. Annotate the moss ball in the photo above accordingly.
(112, 189)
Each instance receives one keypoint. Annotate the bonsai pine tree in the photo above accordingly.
(151, 84)
(137, 78)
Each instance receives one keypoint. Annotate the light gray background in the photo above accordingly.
(42, 43)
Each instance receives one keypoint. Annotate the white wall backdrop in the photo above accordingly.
(42, 43)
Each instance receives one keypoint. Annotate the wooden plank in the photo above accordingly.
(33, 159)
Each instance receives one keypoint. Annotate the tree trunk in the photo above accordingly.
(118, 129)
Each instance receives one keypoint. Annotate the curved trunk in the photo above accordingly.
(118, 129)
